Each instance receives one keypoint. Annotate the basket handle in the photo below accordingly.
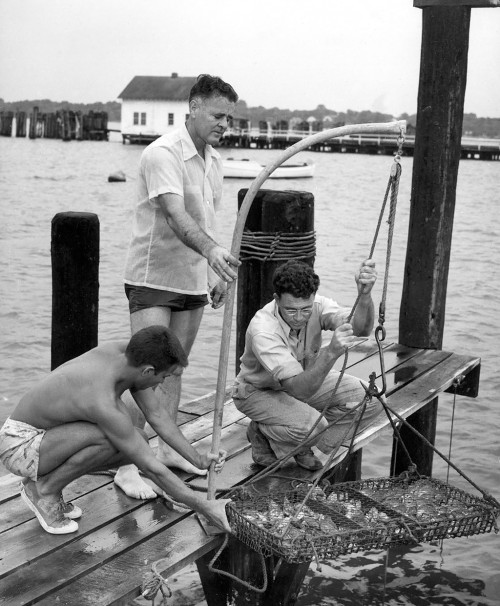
(234, 577)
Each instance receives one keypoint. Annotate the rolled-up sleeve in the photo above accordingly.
(162, 172)
(275, 356)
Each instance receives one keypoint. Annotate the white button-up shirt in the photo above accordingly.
(156, 257)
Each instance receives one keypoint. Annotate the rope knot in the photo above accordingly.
(152, 583)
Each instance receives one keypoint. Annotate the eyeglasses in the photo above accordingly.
(293, 313)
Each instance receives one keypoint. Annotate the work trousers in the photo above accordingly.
(286, 421)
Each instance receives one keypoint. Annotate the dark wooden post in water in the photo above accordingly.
(33, 123)
(75, 285)
(443, 74)
(272, 213)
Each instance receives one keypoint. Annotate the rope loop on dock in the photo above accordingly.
(279, 246)
(154, 582)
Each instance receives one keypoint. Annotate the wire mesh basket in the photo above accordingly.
(345, 518)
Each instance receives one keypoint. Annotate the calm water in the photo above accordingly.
(41, 178)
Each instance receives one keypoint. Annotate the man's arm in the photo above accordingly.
(307, 383)
(118, 428)
(364, 314)
(192, 235)
(160, 420)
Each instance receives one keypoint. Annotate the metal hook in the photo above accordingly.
(379, 337)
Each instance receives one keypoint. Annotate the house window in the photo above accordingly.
(136, 118)
(170, 119)
(143, 118)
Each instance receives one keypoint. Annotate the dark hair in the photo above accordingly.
(158, 346)
(295, 278)
(208, 86)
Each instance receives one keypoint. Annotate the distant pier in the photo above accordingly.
(64, 124)
(472, 148)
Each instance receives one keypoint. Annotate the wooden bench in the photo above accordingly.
(119, 538)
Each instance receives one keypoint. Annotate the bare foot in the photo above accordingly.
(171, 458)
(133, 485)
(47, 510)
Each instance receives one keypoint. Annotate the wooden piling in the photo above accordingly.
(271, 214)
(75, 285)
(6, 121)
(20, 124)
(33, 123)
(443, 74)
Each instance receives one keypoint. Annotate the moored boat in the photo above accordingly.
(249, 169)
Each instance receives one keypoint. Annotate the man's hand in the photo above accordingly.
(366, 277)
(341, 339)
(223, 262)
(215, 511)
(218, 294)
(207, 458)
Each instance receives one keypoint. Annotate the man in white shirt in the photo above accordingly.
(173, 257)
(286, 377)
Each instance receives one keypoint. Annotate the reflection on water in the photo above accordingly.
(401, 576)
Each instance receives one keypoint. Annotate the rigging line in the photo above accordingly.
(394, 175)
(395, 429)
(279, 462)
(456, 383)
(390, 189)
(486, 495)
(317, 476)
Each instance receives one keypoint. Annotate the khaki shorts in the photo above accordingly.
(20, 448)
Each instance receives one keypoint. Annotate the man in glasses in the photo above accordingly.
(286, 377)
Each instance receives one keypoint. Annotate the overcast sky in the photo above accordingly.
(296, 54)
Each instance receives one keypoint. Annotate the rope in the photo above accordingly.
(263, 246)
(392, 188)
(154, 582)
(456, 383)
(234, 577)
(487, 497)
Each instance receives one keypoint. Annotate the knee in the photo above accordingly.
(310, 429)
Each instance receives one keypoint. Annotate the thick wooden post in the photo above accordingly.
(272, 212)
(283, 586)
(75, 284)
(443, 74)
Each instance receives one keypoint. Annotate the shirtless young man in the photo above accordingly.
(75, 422)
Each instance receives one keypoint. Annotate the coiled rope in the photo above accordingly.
(264, 246)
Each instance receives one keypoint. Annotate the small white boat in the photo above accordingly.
(249, 169)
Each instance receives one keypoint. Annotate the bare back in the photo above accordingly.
(74, 390)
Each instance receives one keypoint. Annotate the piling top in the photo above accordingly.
(471, 3)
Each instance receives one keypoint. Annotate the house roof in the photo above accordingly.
(165, 88)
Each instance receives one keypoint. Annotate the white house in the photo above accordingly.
(153, 105)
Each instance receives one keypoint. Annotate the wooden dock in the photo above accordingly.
(120, 538)
(472, 148)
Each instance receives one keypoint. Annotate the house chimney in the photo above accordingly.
(174, 74)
